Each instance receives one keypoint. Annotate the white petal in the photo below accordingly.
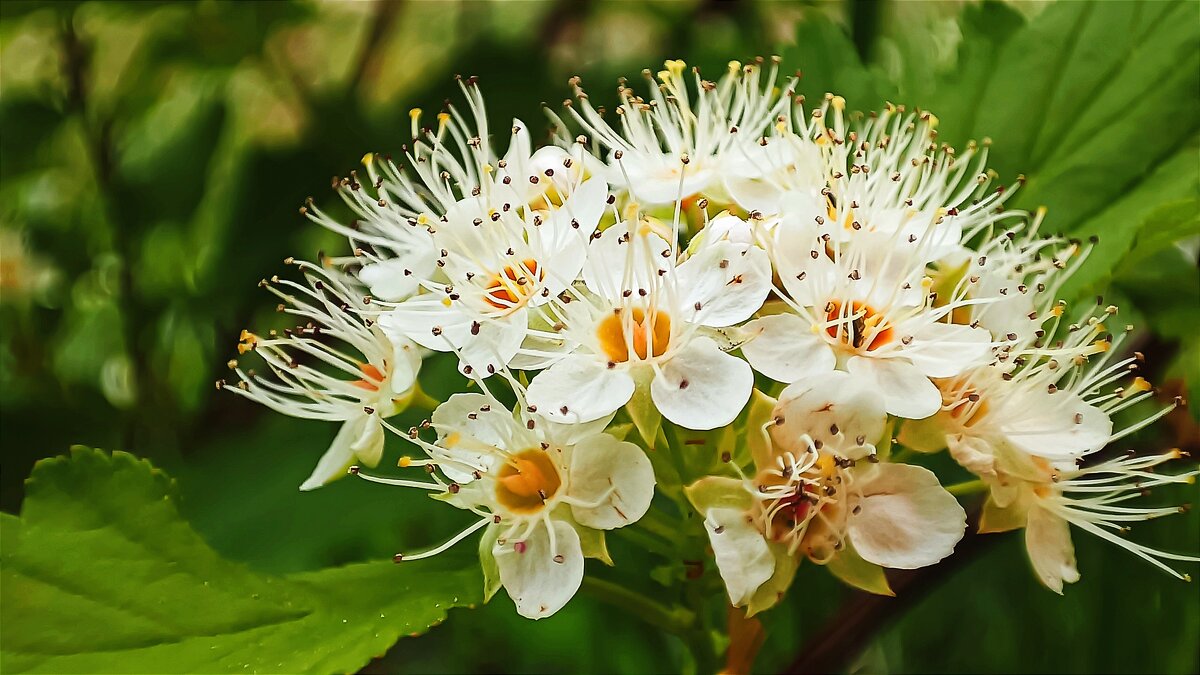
(493, 344)
(564, 434)
(368, 446)
(1048, 540)
(784, 348)
(584, 386)
(581, 211)
(729, 228)
(1056, 426)
(614, 473)
(702, 387)
(973, 454)
(468, 426)
(729, 282)
(396, 278)
(907, 519)
(616, 264)
(426, 320)
(406, 364)
(742, 554)
(945, 350)
(834, 409)
(907, 392)
(656, 179)
(338, 458)
(538, 585)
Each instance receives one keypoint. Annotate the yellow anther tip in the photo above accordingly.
(404, 462)
(368, 158)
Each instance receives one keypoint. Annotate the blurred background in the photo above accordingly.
(153, 156)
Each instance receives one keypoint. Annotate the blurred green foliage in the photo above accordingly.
(153, 156)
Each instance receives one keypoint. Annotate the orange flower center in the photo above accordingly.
(374, 377)
(527, 481)
(968, 408)
(512, 285)
(861, 327)
(651, 334)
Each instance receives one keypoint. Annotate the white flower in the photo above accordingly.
(336, 366)
(864, 306)
(819, 492)
(545, 493)
(645, 320)
(500, 263)
(676, 144)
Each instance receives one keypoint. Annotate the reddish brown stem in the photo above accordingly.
(864, 615)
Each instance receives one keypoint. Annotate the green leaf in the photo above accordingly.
(101, 574)
(1164, 226)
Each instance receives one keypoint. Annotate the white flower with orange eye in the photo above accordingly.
(647, 321)
(337, 366)
(544, 492)
(501, 264)
(818, 492)
(864, 306)
(680, 143)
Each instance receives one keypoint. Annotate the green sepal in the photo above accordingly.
(851, 568)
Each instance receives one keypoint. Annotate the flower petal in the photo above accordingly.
(617, 262)
(338, 458)
(1056, 426)
(396, 278)
(537, 584)
(582, 386)
(702, 387)
(468, 426)
(727, 281)
(614, 473)
(907, 520)
(945, 350)
(490, 346)
(784, 348)
(743, 556)
(1048, 540)
(907, 392)
(368, 445)
(834, 410)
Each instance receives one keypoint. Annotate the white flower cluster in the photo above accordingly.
(628, 281)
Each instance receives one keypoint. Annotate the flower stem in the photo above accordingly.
(674, 620)
(967, 488)
(660, 524)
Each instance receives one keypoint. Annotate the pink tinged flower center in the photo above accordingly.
(789, 513)
(513, 285)
(527, 481)
(859, 326)
(650, 334)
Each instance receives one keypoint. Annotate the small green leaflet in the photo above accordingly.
(101, 574)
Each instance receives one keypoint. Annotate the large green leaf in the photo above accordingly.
(101, 574)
